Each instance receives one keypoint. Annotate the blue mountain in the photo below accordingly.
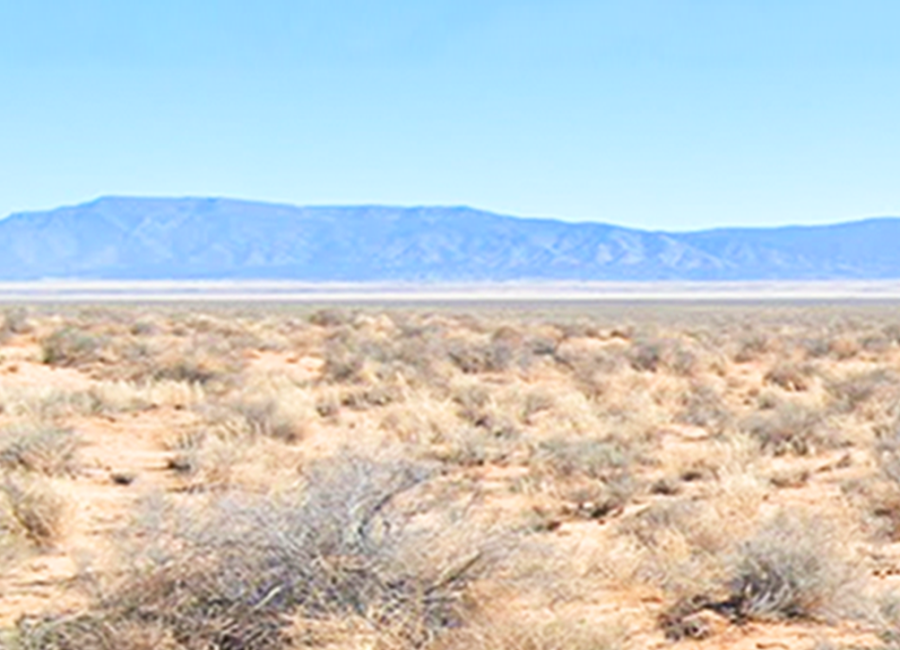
(195, 238)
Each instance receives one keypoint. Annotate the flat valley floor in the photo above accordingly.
(451, 474)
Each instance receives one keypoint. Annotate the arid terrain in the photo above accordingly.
(550, 476)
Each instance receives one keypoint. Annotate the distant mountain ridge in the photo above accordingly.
(117, 238)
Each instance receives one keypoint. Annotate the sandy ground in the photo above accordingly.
(137, 445)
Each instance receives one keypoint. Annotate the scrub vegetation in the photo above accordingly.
(533, 477)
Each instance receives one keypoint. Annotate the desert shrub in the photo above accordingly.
(209, 364)
(536, 401)
(663, 354)
(653, 525)
(417, 355)
(587, 457)
(234, 571)
(646, 356)
(422, 354)
(887, 449)
(586, 364)
(364, 398)
(794, 566)
(420, 357)
(269, 418)
(683, 361)
(790, 376)
(751, 347)
(474, 400)
(580, 329)
(556, 634)
(789, 427)
(45, 449)
(71, 346)
(344, 357)
(331, 318)
(591, 370)
(882, 492)
(597, 499)
(30, 508)
(891, 331)
(15, 321)
(850, 393)
(42, 403)
(844, 348)
(875, 343)
(472, 358)
(704, 407)
(542, 345)
(813, 348)
(492, 443)
(145, 328)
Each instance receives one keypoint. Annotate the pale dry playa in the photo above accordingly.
(230, 291)
(449, 473)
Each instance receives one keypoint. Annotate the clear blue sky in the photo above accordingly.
(675, 114)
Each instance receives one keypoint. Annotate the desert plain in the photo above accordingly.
(545, 475)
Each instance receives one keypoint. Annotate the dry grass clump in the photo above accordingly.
(795, 565)
(331, 318)
(881, 493)
(676, 544)
(41, 448)
(270, 419)
(42, 402)
(588, 457)
(71, 346)
(504, 349)
(50, 403)
(15, 321)
(703, 406)
(751, 347)
(269, 407)
(474, 447)
(122, 396)
(790, 427)
(663, 354)
(554, 634)
(844, 347)
(594, 477)
(208, 460)
(344, 358)
(591, 367)
(791, 377)
(355, 542)
(110, 348)
(31, 509)
(852, 392)
(478, 407)
(385, 353)
(211, 362)
(811, 347)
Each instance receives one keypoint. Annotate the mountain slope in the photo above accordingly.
(133, 238)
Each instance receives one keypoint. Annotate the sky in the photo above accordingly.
(660, 114)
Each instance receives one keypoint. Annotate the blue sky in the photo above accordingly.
(670, 114)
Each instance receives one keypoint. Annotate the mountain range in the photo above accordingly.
(117, 238)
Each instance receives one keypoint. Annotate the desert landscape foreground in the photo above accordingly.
(531, 476)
